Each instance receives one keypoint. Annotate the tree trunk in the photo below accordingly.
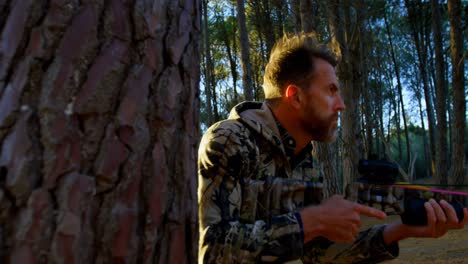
(441, 93)
(349, 75)
(247, 82)
(326, 164)
(416, 21)
(231, 52)
(98, 117)
(458, 86)
(308, 14)
(296, 15)
(208, 71)
(321, 151)
(400, 91)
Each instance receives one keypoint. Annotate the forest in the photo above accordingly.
(402, 73)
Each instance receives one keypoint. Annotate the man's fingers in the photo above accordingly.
(369, 211)
(465, 217)
(439, 212)
(431, 216)
(450, 212)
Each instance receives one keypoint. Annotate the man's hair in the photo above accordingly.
(292, 61)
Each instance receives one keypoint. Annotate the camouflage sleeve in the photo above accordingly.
(368, 247)
(227, 159)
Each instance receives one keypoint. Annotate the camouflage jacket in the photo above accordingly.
(249, 198)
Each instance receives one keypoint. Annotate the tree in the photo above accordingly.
(441, 95)
(341, 27)
(416, 19)
(458, 86)
(400, 90)
(247, 82)
(322, 152)
(91, 167)
(208, 69)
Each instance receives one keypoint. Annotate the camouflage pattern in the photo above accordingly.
(389, 199)
(249, 198)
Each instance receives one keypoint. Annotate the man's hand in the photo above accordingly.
(441, 217)
(336, 218)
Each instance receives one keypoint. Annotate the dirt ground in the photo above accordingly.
(451, 248)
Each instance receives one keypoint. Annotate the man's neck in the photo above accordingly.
(289, 121)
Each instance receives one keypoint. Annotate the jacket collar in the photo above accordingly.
(259, 118)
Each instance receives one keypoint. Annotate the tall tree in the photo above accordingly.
(441, 99)
(458, 87)
(247, 82)
(322, 152)
(296, 15)
(348, 72)
(228, 32)
(400, 89)
(416, 19)
(91, 167)
(307, 9)
(208, 69)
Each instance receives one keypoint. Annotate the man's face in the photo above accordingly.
(320, 104)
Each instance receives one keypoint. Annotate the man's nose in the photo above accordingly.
(340, 105)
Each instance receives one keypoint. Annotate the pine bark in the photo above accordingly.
(441, 99)
(458, 85)
(98, 131)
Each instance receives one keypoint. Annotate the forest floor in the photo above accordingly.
(451, 248)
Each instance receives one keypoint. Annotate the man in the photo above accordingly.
(260, 196)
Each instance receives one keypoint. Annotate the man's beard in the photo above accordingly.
(321, 129)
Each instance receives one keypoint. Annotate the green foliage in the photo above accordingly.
(269, 20)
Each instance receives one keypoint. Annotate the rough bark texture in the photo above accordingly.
(441, 103)
(98, 131)
(458, 85)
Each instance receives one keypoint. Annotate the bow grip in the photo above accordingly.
(415, 212)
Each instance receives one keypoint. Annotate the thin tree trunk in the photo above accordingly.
(416, 21)
(247, 82)
(208, 65)
(400, 92)
(308, 15)
(364, 85)
(426, 150)
(441, 92)
(322, 151)
(91, 167)
(231, 52)
(296, 15)
(458, 85)
(348, 75)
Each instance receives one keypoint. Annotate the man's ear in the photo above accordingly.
(293, 95)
